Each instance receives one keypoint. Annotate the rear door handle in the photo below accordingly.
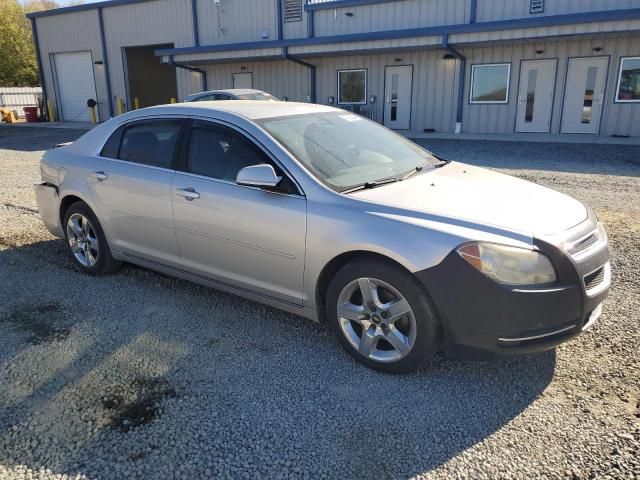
(188, 193)
(100, 176)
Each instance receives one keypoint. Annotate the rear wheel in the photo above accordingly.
(87, 241)
(382, 316)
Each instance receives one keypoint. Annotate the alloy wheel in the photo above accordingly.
(376, 319)
(82, 240)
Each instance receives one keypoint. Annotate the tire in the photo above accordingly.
(396, 342)
(87, 242)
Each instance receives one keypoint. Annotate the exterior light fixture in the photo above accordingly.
(98, 62)
(597, 49)
(448, 56)
(539, 52)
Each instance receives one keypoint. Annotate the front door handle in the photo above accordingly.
(100, 176)
(188, 193)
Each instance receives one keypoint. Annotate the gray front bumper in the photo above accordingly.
(49, 207)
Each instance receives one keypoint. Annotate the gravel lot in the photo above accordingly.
(140, 375)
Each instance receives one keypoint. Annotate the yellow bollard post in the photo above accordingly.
(136, 103)
(92, 114)
(120, 106)
(173, 100)
(51, 111)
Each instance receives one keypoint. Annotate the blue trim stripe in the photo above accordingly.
(194, 22)
(36, 43)
(568, 19)
(107, 75)
(473, 13)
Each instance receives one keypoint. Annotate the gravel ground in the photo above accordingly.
(137, 375)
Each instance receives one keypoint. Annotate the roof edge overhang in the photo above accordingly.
(555, 20)
(84, 7)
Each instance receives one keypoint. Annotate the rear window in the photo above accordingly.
(150, 143)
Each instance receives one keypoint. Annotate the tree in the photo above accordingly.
(18, 65)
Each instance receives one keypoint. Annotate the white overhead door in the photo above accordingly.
(76, 85)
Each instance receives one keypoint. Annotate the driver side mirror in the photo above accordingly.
(262, 175)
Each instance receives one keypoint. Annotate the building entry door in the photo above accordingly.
(243, 80)
(535, 95)
(584, 95)
(398, 84)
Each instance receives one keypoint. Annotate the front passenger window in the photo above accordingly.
(150, 143)
(219, 152)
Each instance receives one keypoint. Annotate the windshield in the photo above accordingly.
(256, 96)
(345, 150)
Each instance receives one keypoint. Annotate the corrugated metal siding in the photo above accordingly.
(366, 45)
(546, 32)
(236, 20)
(391, 15)
(280, 78)
(489, 10)
(617, 119)
(434, 84)
(150, 23)
(68, 33)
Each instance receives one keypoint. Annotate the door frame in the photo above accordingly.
(56, 87)
(553, 96)
(604, 92)
(384, 93)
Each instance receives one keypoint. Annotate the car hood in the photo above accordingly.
(482, 196)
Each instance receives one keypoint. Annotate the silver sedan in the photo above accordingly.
(325, 214)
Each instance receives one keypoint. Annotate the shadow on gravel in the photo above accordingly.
(180, 379)
(31, 139)
(599, 159)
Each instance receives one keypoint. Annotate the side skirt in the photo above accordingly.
(224, 287)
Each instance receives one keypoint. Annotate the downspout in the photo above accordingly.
(194, 21)
(461, 79)
(312, 72)
(105, 60)
(203, 73)
(36, 43)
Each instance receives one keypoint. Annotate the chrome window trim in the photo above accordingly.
(229, 182)
(135, 163)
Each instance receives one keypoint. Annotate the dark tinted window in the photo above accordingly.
(220, 152)
(216, 96)
(110, 149)
(150, 143)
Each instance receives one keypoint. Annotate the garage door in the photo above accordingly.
(75, 82)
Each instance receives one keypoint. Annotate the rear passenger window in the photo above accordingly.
(150, 143)
(110, 149)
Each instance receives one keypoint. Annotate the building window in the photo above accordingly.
(490, 83)
(536, 6)
(292, 10)
(352, 87)
(629, 80)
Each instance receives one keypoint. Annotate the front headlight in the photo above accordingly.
(510, 265)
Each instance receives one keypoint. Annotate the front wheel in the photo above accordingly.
(382, 316)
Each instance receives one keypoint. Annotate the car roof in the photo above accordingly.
(251, 109)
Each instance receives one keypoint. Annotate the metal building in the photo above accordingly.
(478, 66)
